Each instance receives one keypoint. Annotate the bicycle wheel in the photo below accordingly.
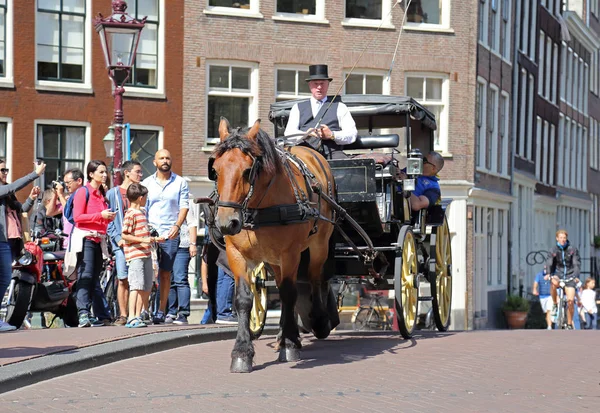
(561, 321)
(365, 318)
(110, 292)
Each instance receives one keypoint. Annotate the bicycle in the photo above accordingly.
(110, 284)
(560, 319)
(372, 317)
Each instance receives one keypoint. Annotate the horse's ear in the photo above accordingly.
(253, 132)
(224, 129)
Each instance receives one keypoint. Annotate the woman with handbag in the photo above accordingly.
(11, 241)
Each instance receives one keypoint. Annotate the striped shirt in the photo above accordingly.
(136, 224)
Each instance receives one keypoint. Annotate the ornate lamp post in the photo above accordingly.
(119, 36)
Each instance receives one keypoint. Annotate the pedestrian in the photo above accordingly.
(225, 283)
(180, 292)
(588, 304)
(541, 288)
(137, 247)
(119, 203)
(166, 208)
(88, 240)
(73, 180)
(563, 263)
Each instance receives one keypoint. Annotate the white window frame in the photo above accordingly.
(567, 152)
(157, 92)
(533, 29)
(522, 106)
(548, 69)
(563, 72)
(561, 152)
(481, 134)
(253, 95)
(538, 148)
(507, 27)
(531, 119)
(584, 158)
(8, 80)
(252, 12)
(554, 73)
(551, 180)
(9, 146)
(503, 168)
(483, 10)
(71, 87)
(494, 42)
(524, 30)
(298, 69)
(493, 129)
(444, 26)
(541, 63)
(318, 17)
(442, 123)
(385, 22)
(385, 85)
(67, 124)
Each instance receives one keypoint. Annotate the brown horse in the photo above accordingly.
(255, 181)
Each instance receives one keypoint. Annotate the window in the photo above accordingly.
(143, 146)
(432, 92)
(430, 12)
(492, 136)
(62, 148)
(505, 30)
(2, 38)
(232, 92)
(494, 23)
(483, 22)
(503, 134)
(305, 10)
(367, 84)
(145, 70)
(364, 9)
(291, 84)
(481, 113)
(541, 63)
(237, 4)
(500, 265)
(3, 139)
(490, 240)
(524, 38)
(60, 29)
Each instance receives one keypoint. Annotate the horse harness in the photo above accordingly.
(301, 211)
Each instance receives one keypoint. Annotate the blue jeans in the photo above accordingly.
(591, 321)
(168, 252)
(6, 259)
(225, 290)
(88, 280)
(180, 292)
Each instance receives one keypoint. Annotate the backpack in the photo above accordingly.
(68, 209)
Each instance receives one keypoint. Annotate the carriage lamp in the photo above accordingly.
(414, 162)
(109, 142)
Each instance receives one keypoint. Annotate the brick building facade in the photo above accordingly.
(56, 96)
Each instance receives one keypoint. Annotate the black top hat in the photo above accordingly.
(318, 72)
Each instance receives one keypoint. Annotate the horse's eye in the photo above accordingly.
(246, 174)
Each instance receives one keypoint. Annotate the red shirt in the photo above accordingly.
(88, 217)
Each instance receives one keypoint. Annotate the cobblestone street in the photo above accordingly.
(480, 371)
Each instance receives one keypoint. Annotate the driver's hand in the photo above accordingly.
(325, 133)
(312, 132)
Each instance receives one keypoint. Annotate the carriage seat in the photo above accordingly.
(374, 142)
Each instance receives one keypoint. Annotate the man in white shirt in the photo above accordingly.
(328, 121)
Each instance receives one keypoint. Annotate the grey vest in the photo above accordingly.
(330, 149)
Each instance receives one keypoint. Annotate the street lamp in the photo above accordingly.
(119, 36)
(109, 142)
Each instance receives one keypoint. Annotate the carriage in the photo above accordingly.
(381, 240)
(377, 237)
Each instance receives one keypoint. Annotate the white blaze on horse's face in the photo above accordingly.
(233, 187)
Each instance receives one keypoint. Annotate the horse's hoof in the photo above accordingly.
(241, 365)
(289, 354)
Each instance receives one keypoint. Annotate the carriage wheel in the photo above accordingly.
(258, 315)
(441, 285)
(405, 282)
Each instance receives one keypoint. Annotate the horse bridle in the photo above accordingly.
(251, 178)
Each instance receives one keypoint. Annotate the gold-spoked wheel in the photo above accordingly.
(441, 281)
(406, 286)
(258, 315)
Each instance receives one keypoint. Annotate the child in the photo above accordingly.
(588, 302)
(137, 249)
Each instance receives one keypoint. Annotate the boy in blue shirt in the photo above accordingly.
(541, 288)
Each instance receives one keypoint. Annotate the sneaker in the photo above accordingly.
(94, 322)
(121, 321)
(4, 326)
(549, 328)
(227, 320)
(170, 318)
(135, 323)
(159, 318)
(145, 317)
(181, 320)
(569, 326)
(84, 321)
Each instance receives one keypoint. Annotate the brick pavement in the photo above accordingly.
(483, 371)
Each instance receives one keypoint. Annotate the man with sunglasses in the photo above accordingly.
(427, 188)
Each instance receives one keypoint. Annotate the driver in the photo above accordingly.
(427, 187)
(336, 127)
(563, 262)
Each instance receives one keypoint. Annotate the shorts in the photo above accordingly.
(120, 263)
(168, 251)
(570, 284)
(140, 274)
(546, 303)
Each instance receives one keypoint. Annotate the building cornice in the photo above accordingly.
(456, 189)
(582, 32)
(525, 180)
(574, 202)
(499, 198)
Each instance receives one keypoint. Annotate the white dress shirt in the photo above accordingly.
(345, 136)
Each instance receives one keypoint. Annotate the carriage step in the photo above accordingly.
(426, 298)
(270, 284)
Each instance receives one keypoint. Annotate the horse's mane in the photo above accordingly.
(262, 148)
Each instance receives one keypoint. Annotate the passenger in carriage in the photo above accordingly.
(427, 188)
(331, 123)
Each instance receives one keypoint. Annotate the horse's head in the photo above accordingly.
(235, 165)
